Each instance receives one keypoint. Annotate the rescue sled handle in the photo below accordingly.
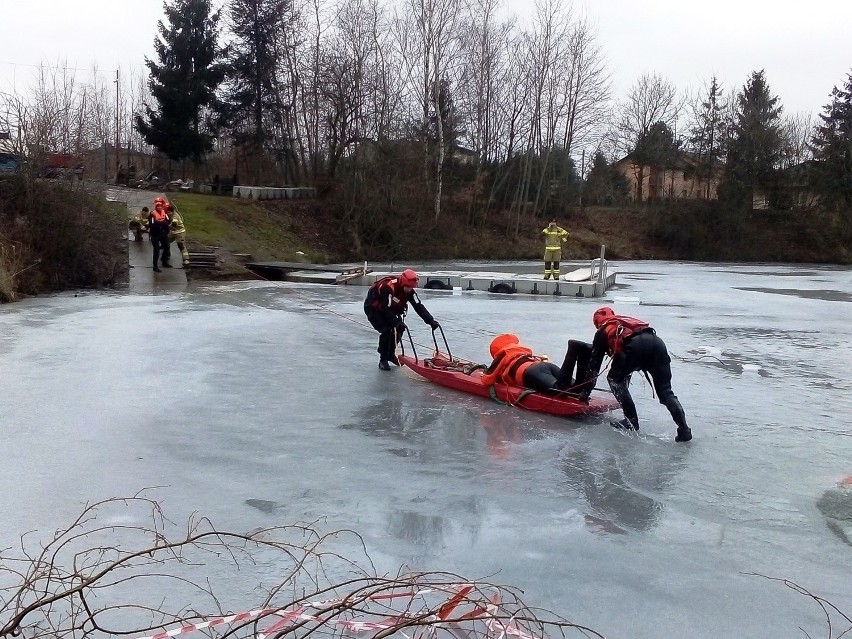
(443, 337)
(434, 341)
(410, 341)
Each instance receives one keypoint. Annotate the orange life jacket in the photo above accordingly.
(619, 329)
(511, 362)
(159, 215)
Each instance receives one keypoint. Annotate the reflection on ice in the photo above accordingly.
(263, 505)
(619, 487)
(419, 529)
(836, 506)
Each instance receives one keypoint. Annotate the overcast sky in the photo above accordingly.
(804, 46)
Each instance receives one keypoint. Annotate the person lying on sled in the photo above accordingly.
(515, 364)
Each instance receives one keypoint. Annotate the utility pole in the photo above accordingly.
(117, 139)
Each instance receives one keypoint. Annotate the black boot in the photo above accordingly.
(684, 434)
(383, 365)
(625, 424)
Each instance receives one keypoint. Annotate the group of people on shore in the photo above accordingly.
(164, 225)
(632, 344)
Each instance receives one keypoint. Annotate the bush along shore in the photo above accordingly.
(54, 237)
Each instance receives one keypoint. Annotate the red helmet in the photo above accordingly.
(502, 341)
(408, 278)
(601, 315)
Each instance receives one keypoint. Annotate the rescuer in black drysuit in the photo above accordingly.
(633, 346)
(385, 307)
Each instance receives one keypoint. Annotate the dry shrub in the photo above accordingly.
(63, 238)
(10, 267)
(122, 568)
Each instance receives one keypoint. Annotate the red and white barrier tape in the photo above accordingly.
(243, 616)
(496, 629)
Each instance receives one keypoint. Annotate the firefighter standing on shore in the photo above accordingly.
(177, 232)
(554, 237)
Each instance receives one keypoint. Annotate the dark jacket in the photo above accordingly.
(158, 224)
(609, 340)
(388, 298)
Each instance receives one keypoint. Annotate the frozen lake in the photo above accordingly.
(225, 393)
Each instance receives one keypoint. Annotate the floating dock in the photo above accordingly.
(591, 281)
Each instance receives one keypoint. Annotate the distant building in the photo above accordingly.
(682, 180)
(463, 155)
(9, 163)
(795, 189)
(6, 145)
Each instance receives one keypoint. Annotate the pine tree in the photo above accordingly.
(708, 135)
(755, 149)
(832, 147)
(184, 81)
(255, 54)
(605, 184)
(657, 149)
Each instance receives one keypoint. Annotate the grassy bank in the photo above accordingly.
(267, 231)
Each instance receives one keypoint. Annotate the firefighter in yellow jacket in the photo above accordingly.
(554, 237)
(139, 224)
(177, 232)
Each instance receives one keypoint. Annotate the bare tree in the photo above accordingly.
(567, 86)
(427, 41)
(651, 99)
(588, 87)
(355, 83)
(540, 58)
(484, 53)
(708, 127)
(796, 132)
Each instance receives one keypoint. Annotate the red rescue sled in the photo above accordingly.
(451, 373)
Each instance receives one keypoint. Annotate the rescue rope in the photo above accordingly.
(310, 302)
(470, 364)
(517, 402)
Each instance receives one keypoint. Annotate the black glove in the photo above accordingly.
(434, 324)
(400, 328)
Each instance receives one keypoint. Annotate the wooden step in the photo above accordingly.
(206, 259)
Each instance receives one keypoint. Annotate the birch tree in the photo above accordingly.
(428, 44)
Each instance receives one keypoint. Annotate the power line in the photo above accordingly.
(48, 66)
(58, 67)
